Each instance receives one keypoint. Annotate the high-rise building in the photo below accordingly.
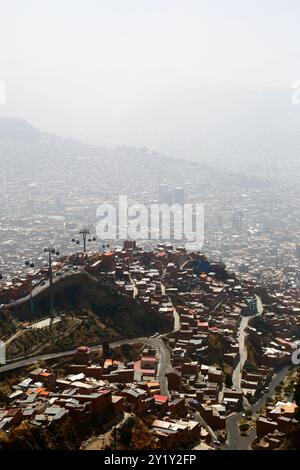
(164, 194)
(178, 195)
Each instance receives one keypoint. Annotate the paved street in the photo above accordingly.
(234, 440)
(157, 343)
(237, 373)
(41, 288)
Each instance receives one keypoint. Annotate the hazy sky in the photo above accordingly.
(120, 70)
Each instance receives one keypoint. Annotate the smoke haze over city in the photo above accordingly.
(196, 79)
(150, 230)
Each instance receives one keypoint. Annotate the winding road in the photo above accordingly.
(156, 343)
(238, 371)
(41, 288)
(234, 440)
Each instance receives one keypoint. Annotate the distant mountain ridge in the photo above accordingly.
(18, 130)
(138, 161)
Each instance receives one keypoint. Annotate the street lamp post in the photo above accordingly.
(30, 264)
(51, 251)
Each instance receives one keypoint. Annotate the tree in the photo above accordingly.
(228, 381)
(125, 350)
(297, 394)
(244, 427)
(106, 349)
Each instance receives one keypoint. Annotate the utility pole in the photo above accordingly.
(51, 251)
(84, 232)
(31, 265)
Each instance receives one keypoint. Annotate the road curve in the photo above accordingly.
(41, 288)
(237, 373)
(156, 343)
(234, 440)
